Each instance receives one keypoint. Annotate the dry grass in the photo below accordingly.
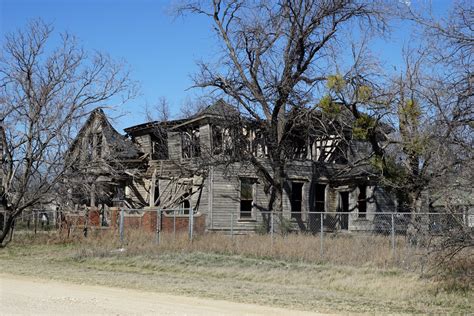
(354, 275)
(337, 249)
(342, 249)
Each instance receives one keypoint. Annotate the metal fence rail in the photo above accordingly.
(416, 229)
(33, 220)
(188, 213)
(324, 230)
(413, 228)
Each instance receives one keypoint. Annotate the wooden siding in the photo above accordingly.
(205, 140)
(138, 193)
(217, 194)
(174, 146)
(144, 143)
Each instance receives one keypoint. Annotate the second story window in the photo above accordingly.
(222, 141)
(159, 147)
(258, 144)
(217, 142)
(190, 143)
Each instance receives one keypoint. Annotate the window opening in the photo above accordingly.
(362, 201)
(296, 199)
(246, 197)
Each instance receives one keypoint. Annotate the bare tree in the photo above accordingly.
(434, 98)
(274, 61)
(160, 111)
(191, 107)
(45, 93)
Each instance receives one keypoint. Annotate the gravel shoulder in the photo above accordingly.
(27, 296)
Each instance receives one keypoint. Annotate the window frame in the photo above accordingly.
(190, 143)
(253, 183)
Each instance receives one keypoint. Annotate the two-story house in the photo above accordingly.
(183, 171)
(179, 165)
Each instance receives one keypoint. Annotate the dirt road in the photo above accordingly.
(22, 295)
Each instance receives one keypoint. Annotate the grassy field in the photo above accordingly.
(222, 273)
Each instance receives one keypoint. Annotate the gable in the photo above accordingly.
(98, 140)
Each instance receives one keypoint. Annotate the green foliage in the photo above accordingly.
(336, 83)
(328, 106)
(362, 125)
(364, 93)
(377, 163)
(389, 168)
(417, 145)
(411, 110)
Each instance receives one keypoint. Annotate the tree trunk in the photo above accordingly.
(279, 180)
(6, 231)
(35, 216)
(418, 226)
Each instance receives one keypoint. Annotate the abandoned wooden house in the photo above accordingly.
(166, 165)
(101, 164)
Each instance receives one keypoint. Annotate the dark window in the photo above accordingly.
(159, 146)
(259, 146)
(216, 140)
(320, 197)
(344, 209)
(223, 140)
(246, 197)
(190, 143)
(362, 201)
(186, 204)
(296, 199)
(156, 193)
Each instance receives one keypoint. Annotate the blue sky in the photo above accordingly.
(162, 51)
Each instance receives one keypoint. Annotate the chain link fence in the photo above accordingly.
(392, 231)
(36, 220)
(159, 221)
(335, 236)
(399, 230)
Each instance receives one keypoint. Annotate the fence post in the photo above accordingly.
(121, 225)
(35, 216)
(174, 224)
(393, 235)
(191, 223)
(272, 228)
(232, 224)
(158, 224)
(321, 232)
